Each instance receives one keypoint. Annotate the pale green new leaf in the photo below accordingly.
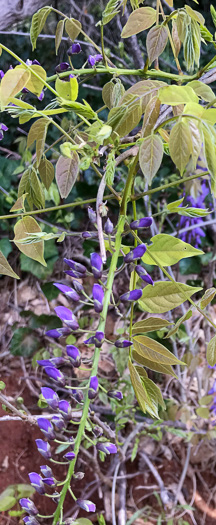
(66, 173)
(138, 21)
(111, 10)
(12, 83)
(168, 250)
(202, 90)
(180, 144)
(154, 351)
(149, 325)
(153, 392)
(22, 228)
(182, 319)
(5, 268)
(175, 95)
(210, 154)
(195, 15)
(207, 297)
(211, 352)
(165, 296)
(156, 42)
(37, 24)
(150, 156)
(152, 365)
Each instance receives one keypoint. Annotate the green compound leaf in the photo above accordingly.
(35, 250)
(165, 296)
(168, 250)
(150, 156)
(156, 42)
(111, 10)
(149, 325)
(66, 173)
(5, 268)
(153, 351)
(138, 21)
(211, 352)
(180, 144)
(152, 365)
(38, 22)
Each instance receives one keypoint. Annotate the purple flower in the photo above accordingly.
(92, 215)
(91, 60)
(75, 49)
(30, 520)
(108, 227)
(107, 448)
(213, 389)
(96, 264)
(58, 332)
(86, 504)
(55, 374)
(137, 253)
(49, 481)
(115, 394)
(46, 471)
(44, 448)
(74, 355)
(143, 274)
(3, 127)
(67, 317)
(65, 409)
(145, 222)
(89, 235)
(98, 296)
(64, 66)
(77, 267)
(131, 296)
(123, 343)
(195, 235)
(78, 286)
(67, 291)
(28, 506)
(41, 96)
(77, 395)
(70, 456)
(1, 74)
(46, 427)
(93, 387)
(58, 421)
(37, 482)
(50, 397)
(54, 361)
(76, 275)
(96, 339)
(98, 57)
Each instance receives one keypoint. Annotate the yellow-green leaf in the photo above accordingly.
(67, 90)
(19, 204)
(5, 268)
(140, 391)
(203, 412)
(145, 90)
(154, 351)
(180, 144)
(207, 297)
(195, 15)
(47, 172)
(152, 365)
(210, 154)
(153, 392)
(138, 21)
(12, 83)
(38, 132)
(168, 250)
(150, 117)
(150, 156)
(182, 319)
(156, 42)
(59, 34)
(66, 173)
(73, 28)
(25, 226)
(37, 24)
(31, 186)
(149, 325)
(175, 95)
(211, 352)
(202, 90)
(165, 296)
(34, 84)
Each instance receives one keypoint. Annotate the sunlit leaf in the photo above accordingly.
(73, 28)
(195, 15)
(66, 173)
(5, 268)
(165, 296)
(47, 172)
(202, 90)
(149, 325)
(180, 144)
(152, 365)
(67, 90)
(111, 10)
(156, 42)
(22, 228)
(12, 83)
(175, 95)
(37, 24)
(150, 156)
(154, 351)
(138, 21)
(153, 392)
(168, 250)
(125, 118)
(34, 84)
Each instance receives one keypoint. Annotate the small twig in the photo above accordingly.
(184, 472)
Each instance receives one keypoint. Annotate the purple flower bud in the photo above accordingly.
(77, 267)
(92, 215)
(123, 343)
(37, 482)
(46, 471)
(54, 361)
(44, 448)
(108, 227)
(93, 387)
(96, 339)
(46, 427)
(68, 291)
(3, 127)
(28, 62)
(77, 286)
(98, 57)
(77, 395)
(1, 73)
(131, 296)
(35, 62)
(58, 421)
(65, 409)
(74, 49)
(86, 504)
(55, 374)
(41, 96)
(64, 66)
(28, 506)
(143, 274)
(30, 520)
(76, 275)
(115, 394)
(25, 90)
(97, 431)
(74, 355)
(91, 60)
(137, 253)
(67, 316)
(98, 296)
(49, 481)
(45, 362)
(50, 397)
(145, 222)
(58, 332)
(69, 456)
(89, 235)
(107, 448)
(96, 264)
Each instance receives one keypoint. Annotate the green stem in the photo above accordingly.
(168, 185)
(102, 45)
